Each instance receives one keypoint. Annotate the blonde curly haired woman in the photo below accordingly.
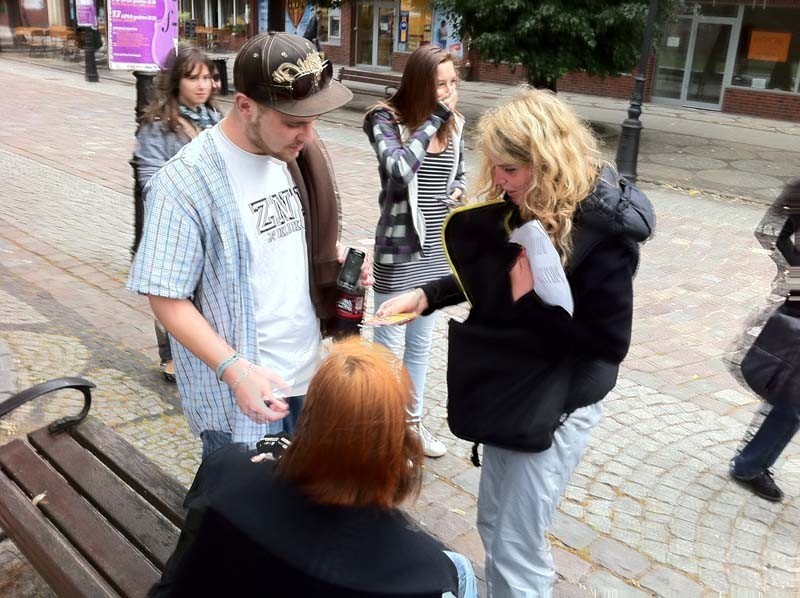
(542, 163)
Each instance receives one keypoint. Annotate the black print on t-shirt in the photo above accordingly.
(279, 215)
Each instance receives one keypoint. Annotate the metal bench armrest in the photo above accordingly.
(38, 390)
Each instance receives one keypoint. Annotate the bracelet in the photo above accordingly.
(242, 377)
(226, 363)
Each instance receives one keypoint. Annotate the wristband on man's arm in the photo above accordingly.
(226, 363)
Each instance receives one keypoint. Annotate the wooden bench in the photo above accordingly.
(390, 82)
(91, 514)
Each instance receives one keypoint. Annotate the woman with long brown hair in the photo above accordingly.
(417, 136)
(325, 520)
(182, 108)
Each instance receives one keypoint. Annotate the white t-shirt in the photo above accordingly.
(269, 203)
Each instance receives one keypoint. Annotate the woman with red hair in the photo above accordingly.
(324, 519)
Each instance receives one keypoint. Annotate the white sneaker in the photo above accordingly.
(431, 446)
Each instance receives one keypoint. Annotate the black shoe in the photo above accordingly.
(168, 369)
(762, 485)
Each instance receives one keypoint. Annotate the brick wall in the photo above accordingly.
(399, 60)
(578, 82)
(620, 86)
(781, 106)
(32, 17)
(484, 70)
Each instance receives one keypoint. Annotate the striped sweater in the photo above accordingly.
(400, 233)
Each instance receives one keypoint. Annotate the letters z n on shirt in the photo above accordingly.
(272, 215)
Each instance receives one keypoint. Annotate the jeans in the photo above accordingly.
(214, 440)
(162, 337)
(290, 421)
(517, 498)
(418, 336)
(775, 432)
(467, 586)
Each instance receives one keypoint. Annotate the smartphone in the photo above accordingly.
(449, 201)
(350, 272)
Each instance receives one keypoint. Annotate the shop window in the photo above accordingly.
(768, 54)
(420, 21)
(330, 26)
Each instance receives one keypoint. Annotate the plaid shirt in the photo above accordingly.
(400, 233)
(194, 246)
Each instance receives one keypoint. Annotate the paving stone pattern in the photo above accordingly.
(650, 509)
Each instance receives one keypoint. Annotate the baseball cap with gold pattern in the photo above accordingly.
(285, 72)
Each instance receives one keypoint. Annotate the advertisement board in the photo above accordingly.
(772, 46)
(141, 33)
(87, 14)
(445, 34)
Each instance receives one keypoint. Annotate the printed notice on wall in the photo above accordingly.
(142, 33)
(673, 41)
(769, 45)
(87, 14)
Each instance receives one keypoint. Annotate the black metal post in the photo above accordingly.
(88, 51)
(628, 148)
(145, 92)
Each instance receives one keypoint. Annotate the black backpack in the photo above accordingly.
(505, 387)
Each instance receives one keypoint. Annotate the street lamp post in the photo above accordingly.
(145, 92)
(88, 52)
(628, 148)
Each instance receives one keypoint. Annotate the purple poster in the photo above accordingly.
(142, 33)
(87, 15)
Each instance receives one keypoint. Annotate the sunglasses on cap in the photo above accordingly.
(304, 84)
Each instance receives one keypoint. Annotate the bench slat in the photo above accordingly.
(126, 569)
(50, 554)
(136, 470)
(145, 527)
(346, 73)
(374, 80)
(385, 80)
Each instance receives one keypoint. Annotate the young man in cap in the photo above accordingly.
(239, 253)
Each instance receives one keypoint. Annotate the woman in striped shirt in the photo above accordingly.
(418, 138)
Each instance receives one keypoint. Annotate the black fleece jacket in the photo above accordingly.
(249, 533)
(598, 334)
(602, 289)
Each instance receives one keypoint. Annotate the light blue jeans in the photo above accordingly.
(467, 586)
(517, 498)
(418, 336)
(213, 440)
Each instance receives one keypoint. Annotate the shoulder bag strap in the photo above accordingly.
(188, 127)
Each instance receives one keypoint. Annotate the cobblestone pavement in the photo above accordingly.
(650, 511)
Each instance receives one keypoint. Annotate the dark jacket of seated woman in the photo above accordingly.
(323, 521)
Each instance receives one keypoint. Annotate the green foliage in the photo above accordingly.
(553, 37)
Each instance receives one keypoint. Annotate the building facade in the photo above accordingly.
(738, 56)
